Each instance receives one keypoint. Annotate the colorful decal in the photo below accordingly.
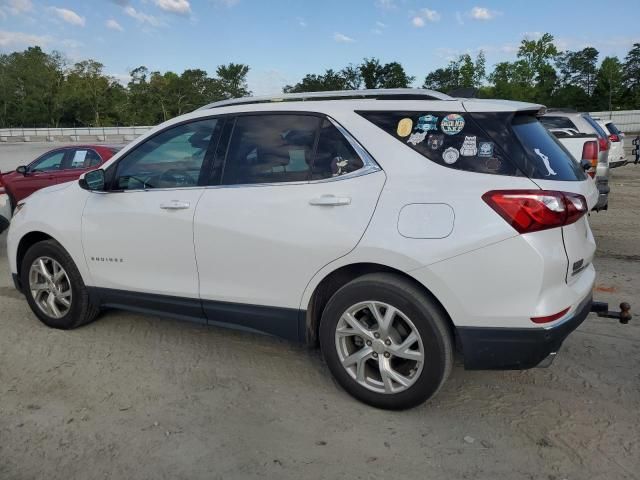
(435, 141)
(452, 124)
(417, 138)
(405, 126)
(450, 155)
(469, 147)
(485, 149)
(427, 123)
(493, 164)
(545, 160)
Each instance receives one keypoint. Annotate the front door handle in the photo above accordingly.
(330, 201)
(175, 205)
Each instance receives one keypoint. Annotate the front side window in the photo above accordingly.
(49, 163)
(171, 159)
(270, 149)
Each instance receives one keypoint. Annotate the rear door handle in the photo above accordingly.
(330, 201)
(175, 205)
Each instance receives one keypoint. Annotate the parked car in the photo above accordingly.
(387, 226)
(583, 123)
(56, 166)
(617, 156)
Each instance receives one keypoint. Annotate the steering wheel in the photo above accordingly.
(177, 178)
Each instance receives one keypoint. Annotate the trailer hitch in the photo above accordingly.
(602, 310)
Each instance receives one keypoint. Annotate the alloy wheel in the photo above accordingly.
(50, 287)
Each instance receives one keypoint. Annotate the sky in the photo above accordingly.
(282, 40)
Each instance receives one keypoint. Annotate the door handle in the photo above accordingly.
(175, 205)
(330, 201)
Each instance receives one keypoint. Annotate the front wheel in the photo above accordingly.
(386, 342)
(54, 287)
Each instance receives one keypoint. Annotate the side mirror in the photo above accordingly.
(92, 181)
(22, 170)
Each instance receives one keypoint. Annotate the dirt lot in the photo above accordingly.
(138, 397)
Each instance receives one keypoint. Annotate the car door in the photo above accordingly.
(294, 194)
(138, 236)
(78, 161)
(41, 173)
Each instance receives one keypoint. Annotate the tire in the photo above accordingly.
(80, 310)
(373, 379)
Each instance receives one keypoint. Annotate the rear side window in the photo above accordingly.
(84, 159)
(453, 140)
(597, 128)
(271, 148)
(334, 155)
(557, 122)
(494, 143)
(613, 129)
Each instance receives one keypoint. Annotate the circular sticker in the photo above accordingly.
(452, 124)
(450, 155)
(405, 126)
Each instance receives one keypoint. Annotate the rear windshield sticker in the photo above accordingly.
(493, 164)
(417, 138)
(427, 123)
(405, 126)
(469, 147)
(485, 149)
(435, 141)
(545, 160)
(452, 124)
(450, 156)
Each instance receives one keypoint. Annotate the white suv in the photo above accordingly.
(389, 227)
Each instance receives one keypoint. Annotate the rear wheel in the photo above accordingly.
(54, 288)
(386, 342)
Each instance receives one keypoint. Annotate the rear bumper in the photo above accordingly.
(603, 193)
(516, 348)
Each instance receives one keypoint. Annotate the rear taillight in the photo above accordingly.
(614, 138)
(603, 143)
(550, 318)
(534, 210)
(590, 154)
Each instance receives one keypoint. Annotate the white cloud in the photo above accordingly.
(20, 39)
(141, 16)
(113, 25)
(482, 13)
(342, 38)
(459, 18)
(69, 16)
(381, 25)
(302, 22)
(179, 7)
(14, 7)
(425, 15)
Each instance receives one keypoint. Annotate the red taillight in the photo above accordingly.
(614, 138)
(534, 210)
(550, 318)
(603, 143)
(590, 154)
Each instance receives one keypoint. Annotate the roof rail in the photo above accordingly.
(561, 110)
(375, 94)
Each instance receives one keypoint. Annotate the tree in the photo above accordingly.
(231, 81)
(461, 72)
(536, 54)
(631, 77)
(609, 87)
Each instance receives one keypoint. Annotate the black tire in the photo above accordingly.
(428, 318)
(82, 310)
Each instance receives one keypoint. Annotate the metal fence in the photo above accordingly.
(626, 120)
(72, 132)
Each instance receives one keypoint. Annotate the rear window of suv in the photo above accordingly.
(493, 143)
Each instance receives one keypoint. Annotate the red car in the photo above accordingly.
(56, 166)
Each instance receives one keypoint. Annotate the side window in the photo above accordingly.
(49, 163)
(83, 159)
(453, 140)
(270, 148)
(334, 156)
(170, 159)
(557, 122)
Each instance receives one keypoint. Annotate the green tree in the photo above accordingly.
(609, 87)
(631, 77)
(231, 82)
